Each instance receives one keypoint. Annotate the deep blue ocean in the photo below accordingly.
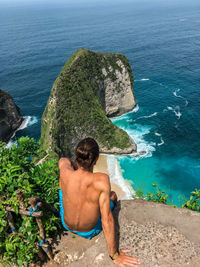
(162, 43)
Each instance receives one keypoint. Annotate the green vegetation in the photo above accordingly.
(18, 170)
(75, 108)
(160, 196)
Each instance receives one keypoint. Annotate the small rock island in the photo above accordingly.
(91, 87)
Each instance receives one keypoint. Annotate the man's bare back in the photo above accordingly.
(85, 195)
(81, 191)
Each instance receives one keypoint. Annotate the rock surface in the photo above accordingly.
(10, 116)
(117, 95)
(90, 88)
(159, 235)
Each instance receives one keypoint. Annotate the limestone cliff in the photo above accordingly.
(90, 87)
(10, 116)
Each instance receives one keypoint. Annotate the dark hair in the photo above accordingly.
(87, 152)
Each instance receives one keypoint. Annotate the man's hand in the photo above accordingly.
(123, 259)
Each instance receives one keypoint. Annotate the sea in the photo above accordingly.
(161, 39)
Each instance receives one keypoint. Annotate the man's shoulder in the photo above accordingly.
(101, 179)
(101, 175)
(65, 164)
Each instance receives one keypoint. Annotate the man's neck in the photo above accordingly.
(82, 169)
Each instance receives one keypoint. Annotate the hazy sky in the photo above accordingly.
(99, 2)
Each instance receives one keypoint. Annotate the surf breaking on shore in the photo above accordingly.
(117, 178)
(28, 121)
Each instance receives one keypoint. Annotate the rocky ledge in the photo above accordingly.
(90, 88)
(10, 116)
(157, 234)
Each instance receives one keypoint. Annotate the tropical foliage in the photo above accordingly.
(19, 171)
(162, 197)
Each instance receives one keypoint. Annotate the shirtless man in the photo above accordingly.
(85, 196)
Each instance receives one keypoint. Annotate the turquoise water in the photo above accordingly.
(162, 42)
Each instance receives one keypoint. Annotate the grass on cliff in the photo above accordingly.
(160, 196)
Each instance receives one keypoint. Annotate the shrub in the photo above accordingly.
(160, 196)
(18, 171)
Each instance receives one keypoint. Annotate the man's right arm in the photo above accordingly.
(109, 227)
(107, 219)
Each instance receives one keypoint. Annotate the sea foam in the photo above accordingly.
(179, 96)
(28, 121)
(176, 111)
(144, 117)
(117, 178)
(161, 143)
(143, 79)
(126, 116)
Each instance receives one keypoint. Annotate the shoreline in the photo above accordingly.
(102, 166)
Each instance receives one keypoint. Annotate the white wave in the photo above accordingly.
(157, 134)
(141, 80)
(33, 120)
(144, 117)
(144, 79)
(179, 96)
(136, 108)
(28, 121)
(161, 139)
(126, 115)
(162, 142)
(24, 123)
(176, 111)
(11, 143)
(117, 178)
(144, 148)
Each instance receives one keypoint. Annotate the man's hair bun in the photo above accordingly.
(87, 152)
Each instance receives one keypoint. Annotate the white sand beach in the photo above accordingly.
(102, 166)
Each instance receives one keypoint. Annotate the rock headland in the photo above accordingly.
(10, 116)
(90, 88)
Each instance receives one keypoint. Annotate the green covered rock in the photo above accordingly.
(90, 88)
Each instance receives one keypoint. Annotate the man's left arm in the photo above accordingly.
(67, 163)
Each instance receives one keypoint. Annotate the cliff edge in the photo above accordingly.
(90, 88)
(157, 234)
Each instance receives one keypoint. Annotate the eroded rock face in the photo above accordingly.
(90, 88)
(10, 116)
(119, 97)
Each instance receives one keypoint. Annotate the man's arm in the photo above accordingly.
(108, 225)
(107, 219)
(67, 163)
(64, 165)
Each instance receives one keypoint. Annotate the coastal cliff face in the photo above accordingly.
(90, 87)
(115, 89)
(10, 116)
